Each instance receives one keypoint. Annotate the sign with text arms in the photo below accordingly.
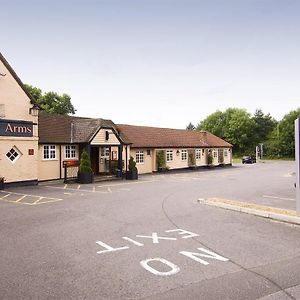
(16, 128)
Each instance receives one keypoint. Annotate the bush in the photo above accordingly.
(209, 159)
(85, 163)
(161, 159)
(132, 164)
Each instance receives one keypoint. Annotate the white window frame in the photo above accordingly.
(184, 155)
(14, 148)
(169, 155)
(215, 154)
(70, 151)
(198, 154)
(139, 157)
(225, 152)
(51, 149)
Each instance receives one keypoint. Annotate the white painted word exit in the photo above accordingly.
(201, 256)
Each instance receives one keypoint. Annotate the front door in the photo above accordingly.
(95, 159)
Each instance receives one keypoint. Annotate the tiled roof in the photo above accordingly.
(154, 137)
(70, 129)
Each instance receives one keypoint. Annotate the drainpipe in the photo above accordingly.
(126, 158)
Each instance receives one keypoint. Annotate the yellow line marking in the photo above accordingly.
(20, 199)
(126, 183)
(5, 196)
(109, 189)
(65, 186)
(38, 200)
(78, 187)
(29, 195)
(94, 189)
(44, 202)
(68, 193)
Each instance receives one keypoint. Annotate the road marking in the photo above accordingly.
(65, 186)
(155, 238)
(94, 189)
(109, 189)
(109, 248)
(125, 183)
(132, 241)
(182, 232)
(174, 269)
(209, 254)
(280, 198)
(21, 198)
(78, 187)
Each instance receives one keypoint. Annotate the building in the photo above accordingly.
(182, 148)
(62, 139)
(36, 146)
(18, 129)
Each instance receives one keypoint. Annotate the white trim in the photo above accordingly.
(50, 158)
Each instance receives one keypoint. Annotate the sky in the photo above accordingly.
(161, 63)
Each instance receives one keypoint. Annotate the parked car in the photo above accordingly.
(248, 159)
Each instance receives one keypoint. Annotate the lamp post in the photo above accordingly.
(297, 156)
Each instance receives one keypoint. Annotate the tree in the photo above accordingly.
(52, 102)
(286, 133)
(240, 130)
(265, 124)
(214, 123)
(190, 126)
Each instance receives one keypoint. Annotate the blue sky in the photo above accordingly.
(160, 63)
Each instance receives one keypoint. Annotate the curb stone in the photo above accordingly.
(256, 212)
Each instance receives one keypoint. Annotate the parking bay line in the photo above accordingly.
(279, 198)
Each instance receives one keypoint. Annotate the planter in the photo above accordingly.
(85, 177)
(1, 183)
(132, 175)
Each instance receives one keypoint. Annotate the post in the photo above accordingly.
(297, 157)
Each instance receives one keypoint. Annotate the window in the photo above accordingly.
(169, 155)
(215, 154)
(13, 154)
(70, 151)
(183, 154)
(49, 152)
(2, 111)
(225, 152)
(198, 153)
(139, 157)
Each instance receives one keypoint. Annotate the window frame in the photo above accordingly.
(169, 155)
(139, 157)
(51, 149)
(198, 153)
(16, 158)
(184, 155)
(72, 151)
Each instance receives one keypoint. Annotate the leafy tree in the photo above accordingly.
(190, 126)
(214, 123)
(240, 130)
(264, 124)
(286, 133)
(52, 102)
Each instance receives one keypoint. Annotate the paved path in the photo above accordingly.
(152, 239)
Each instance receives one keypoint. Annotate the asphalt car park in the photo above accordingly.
(151, 238)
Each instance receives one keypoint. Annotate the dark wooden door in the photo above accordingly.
(95, 159)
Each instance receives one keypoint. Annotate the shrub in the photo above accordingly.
(209, 159)
(132, 164)
(161, 159)
(85, 163)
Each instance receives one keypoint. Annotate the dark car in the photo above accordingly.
(248, 159)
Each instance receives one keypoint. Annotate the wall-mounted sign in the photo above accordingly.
(16, 128)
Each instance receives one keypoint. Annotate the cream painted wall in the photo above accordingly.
(147, 165)
(53, 168)
(22, 169)
(15, 105)
(99, 139)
